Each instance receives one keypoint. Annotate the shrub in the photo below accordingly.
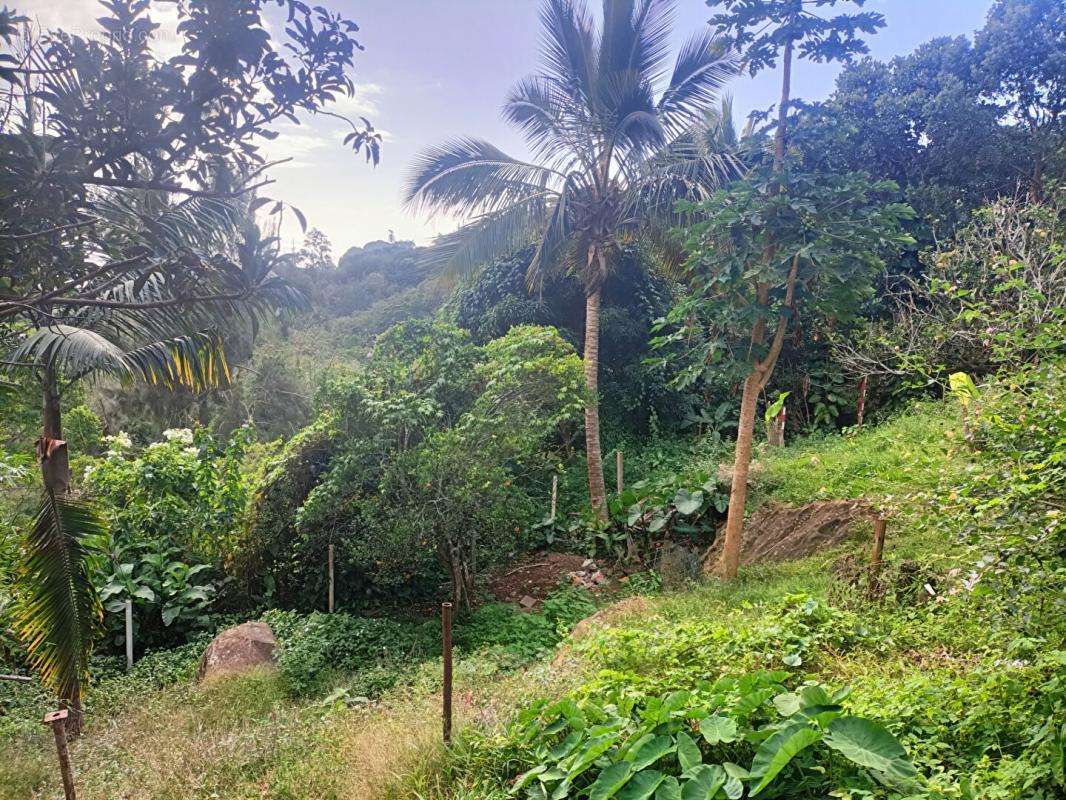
(414, 467)
(699, 744)
(172, 510)
(316, 648)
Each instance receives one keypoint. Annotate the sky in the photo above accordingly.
(434, 69)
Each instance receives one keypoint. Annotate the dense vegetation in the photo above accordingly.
(858, 298)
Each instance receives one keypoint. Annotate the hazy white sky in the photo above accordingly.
(433, 69)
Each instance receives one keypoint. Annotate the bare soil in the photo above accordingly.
(535, 575)
(778, 532)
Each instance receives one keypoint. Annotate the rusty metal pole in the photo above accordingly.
(618, 476)
(58, 722)
(446, 629)
(331, 579)
(880, 524)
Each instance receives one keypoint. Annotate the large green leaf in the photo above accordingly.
(669, 789)
(642, 785)
(610, 781)
(703, 782)
(869, 745)
(688, 752)
(775, 753)
(717, 729)
(650, 751)
(592, 750)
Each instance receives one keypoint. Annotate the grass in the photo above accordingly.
(967, 688)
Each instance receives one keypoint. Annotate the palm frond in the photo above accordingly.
(568, 42)
(58, 613)
(635, 37)
(551, 123)
(703, 67)
(195, 360)
(493, 235)
(471, 176)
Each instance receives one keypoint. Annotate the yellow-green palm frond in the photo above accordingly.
(58, 613)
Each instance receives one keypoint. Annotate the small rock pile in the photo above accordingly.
(589, 576)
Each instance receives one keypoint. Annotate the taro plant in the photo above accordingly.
(170, 597)
(743, 736)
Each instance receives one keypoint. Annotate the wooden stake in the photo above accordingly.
(860, 407)
(555, 494)
(129, 635)
(331, 579)
(446, 630)
(58, 722)
(880, 524)
(618, 476)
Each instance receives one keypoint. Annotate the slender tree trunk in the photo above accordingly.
(593, 451)
(738, 493)
(760, 373)
(55, 474)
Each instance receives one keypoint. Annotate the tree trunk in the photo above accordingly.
(55, 474)
(754, 383)
(760, 373)
(738, 493)
(55, 464)
(593, 451)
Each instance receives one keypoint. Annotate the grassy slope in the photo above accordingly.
(942, 674)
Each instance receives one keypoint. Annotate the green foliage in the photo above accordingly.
(693, 744)
(318, 648)
(83, 430)
(1009, 512)
(520, 636)
(430, 416)
(825, 235)
(992, 299)
(173, 510)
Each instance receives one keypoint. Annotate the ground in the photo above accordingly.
(965, 692)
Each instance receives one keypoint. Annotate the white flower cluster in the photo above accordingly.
(183, 435)
(119, 442)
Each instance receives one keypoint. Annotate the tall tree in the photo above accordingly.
(1022, 57)
(612, 157)
(764, 31)
(125, 245)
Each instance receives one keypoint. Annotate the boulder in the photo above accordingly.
(241, 648)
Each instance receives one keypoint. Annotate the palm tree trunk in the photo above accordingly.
(55, 474)
(593, 451)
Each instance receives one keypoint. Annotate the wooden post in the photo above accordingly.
(618, 476)
(555, 494)
(331, 579)
(58, 722)
(875, 556)
(446, 629)
(129, 634)
(860, 406)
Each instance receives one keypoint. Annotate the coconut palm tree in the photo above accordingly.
(610, 126)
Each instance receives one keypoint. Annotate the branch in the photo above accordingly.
(161, 186)
(766, 366)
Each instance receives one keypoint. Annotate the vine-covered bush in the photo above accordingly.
(415, 466)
